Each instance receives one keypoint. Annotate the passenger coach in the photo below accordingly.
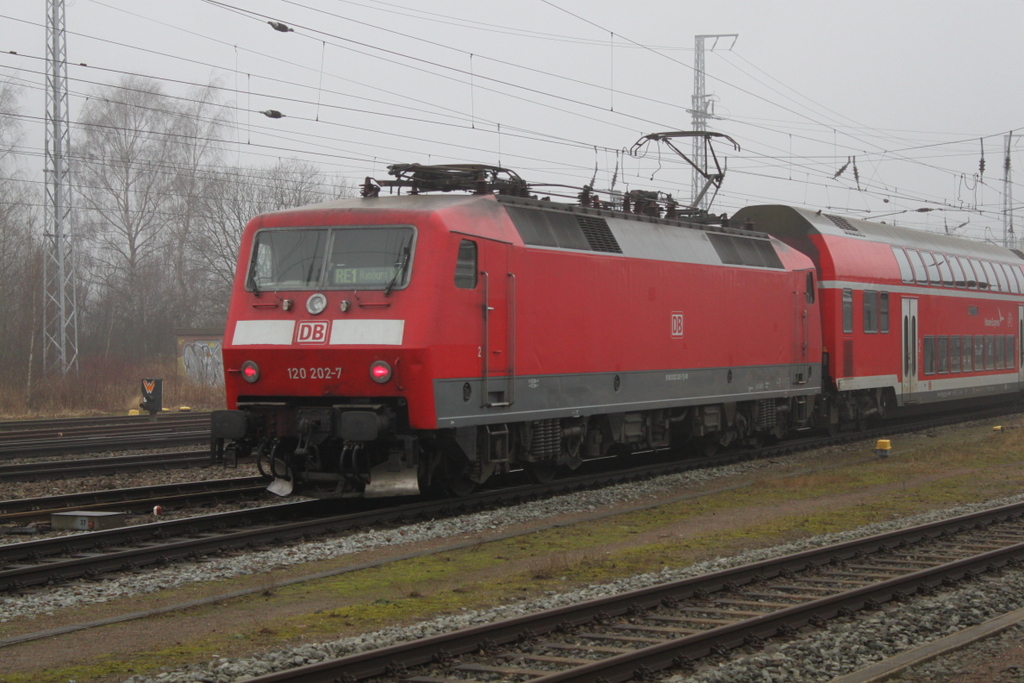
(909, 317)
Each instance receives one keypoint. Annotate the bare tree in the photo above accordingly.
(20, 251)
(234, 196)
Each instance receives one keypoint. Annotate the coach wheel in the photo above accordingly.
(541, 472)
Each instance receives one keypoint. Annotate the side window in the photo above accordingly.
(848, 311)
(920, 275)
(870, 311)
(979, 274)
(931, 262)
(906, 272)
(883, 312)
(1001, 277)
(465, 265)
(999, 352)
(1019, 275)
(968, 350)
(954, 353)
(990, 352)
(1010, 280)
(810, 287)
(979, 352)
(958, 272)
(929, 355)
(1011, 352)
(942, 353)
(944, 271)
(993, 283)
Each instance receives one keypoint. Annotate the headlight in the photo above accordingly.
(250, 371)
(380, 372)
(316, 304)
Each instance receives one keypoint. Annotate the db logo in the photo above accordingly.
(677, 324)
(312, 332)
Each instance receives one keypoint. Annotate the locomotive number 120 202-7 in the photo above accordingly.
(314, 373)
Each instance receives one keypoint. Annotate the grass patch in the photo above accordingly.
(953, 467)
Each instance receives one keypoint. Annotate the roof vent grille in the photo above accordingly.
(599, 235)
(844, 225)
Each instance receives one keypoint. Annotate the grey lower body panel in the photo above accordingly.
(919, 397)
(459, 403)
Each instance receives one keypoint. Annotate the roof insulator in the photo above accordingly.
(272, 113)
(278, 26)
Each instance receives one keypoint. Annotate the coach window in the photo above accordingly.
(942, 351)
(979, 273)
(972, 278)
(968, 350)
(931, 261)
(1000, 277)
(954, 353)
(993, 282)
(883, 312)
(979, 352)
(906, 272)
(959, 279)
(848, 311)
(870, 311)
(1010, 280)
(990, 352)
(1011, 352)
(465, 265)
(916, 260)
(944, 271)
(929, 355)
(999, 352)
(1018, 274)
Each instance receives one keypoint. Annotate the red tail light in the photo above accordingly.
(380, 371)
(250, 371)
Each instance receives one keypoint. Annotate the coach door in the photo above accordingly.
(910, 361)
(497, 350)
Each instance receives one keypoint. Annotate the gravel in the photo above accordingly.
(843, 647)
(46, 600)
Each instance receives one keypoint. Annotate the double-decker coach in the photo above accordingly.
(909, 318)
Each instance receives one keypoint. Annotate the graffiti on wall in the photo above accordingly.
(202, 362)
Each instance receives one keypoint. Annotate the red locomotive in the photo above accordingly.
(380, 345)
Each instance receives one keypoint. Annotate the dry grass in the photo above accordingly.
(104, 387)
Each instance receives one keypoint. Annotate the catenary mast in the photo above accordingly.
(60, 320)
(701, 112)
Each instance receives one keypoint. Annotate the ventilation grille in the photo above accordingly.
(844, 225)
(736, 250)
(599, 235)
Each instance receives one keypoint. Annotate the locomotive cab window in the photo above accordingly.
(810, 288)
(331, 258)
(465, 265)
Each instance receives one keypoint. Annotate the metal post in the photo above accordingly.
(1009, 238)
(60, 321)
(701, 111)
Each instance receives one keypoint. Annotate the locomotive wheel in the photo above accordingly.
(541, 472)
(454, 473)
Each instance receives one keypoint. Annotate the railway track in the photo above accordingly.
(135, 500)
(56, 560)
(36, 438)
(93, 467)
(634, 635)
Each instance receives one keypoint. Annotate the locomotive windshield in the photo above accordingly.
(331, 258)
